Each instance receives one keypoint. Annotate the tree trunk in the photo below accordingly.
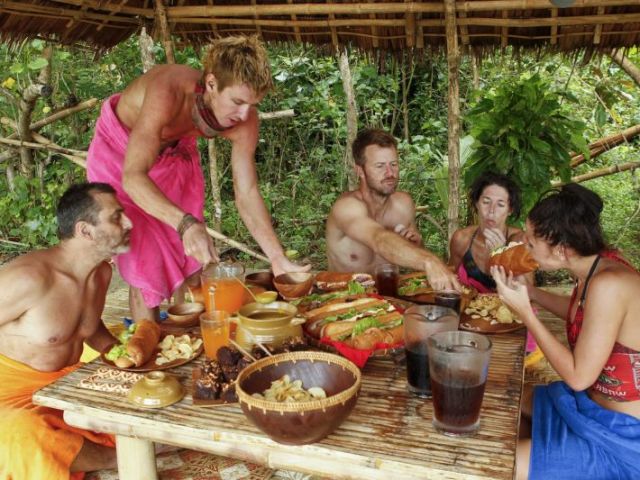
(215, 184)
(453, 61)
(352, 117)
(11, 175)
(27, 104)
(627, 65)
(146, 50)
(405, 103)
(475, 69)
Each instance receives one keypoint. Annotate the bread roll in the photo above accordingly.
(143, 342)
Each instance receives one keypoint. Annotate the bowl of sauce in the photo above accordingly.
(267, 323)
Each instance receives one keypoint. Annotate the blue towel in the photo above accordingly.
(575, 438)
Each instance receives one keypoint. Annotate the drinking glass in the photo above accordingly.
(386, 275)
(458, 363)
(222, 287)
(448, 298)
(420, 322)
(215, 331)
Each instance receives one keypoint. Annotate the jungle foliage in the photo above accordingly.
(301, 160)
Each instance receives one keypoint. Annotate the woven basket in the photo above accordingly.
(303, 422)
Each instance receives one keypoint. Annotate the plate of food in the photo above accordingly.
(143, 348)
(415, 288)
(357, 326)
(487, 314)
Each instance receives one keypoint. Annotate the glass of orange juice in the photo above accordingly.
(222, 287)
(215, 331)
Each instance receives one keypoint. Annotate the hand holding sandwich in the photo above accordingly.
(513, 292)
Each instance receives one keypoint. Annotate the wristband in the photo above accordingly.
(185, 223)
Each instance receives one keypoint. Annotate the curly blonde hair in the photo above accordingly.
(239, 60)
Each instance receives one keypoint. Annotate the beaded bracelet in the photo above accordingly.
(185, 223)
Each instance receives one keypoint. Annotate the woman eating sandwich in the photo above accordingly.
(494, 198)
(588, 424)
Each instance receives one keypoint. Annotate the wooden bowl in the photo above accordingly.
(262, 279)
(294, 285)
(304, 422)
(185, 314)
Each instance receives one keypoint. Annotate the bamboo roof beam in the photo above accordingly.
(256, 17)
(464, 30)
(214, 26)
(31, 10)
(420, 36)
(374, 32)
(334, 33)
(600, 173)
(410, 28)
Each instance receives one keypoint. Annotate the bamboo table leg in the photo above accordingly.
(136, 459)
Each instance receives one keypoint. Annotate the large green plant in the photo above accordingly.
(522, 129)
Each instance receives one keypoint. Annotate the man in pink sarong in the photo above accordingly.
(145, 147)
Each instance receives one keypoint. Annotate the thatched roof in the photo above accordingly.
(368, 24)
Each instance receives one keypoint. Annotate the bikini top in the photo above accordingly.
(620, 377)
(472, 268)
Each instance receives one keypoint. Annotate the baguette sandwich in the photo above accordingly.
(514, 257)
(415, 283)
(353, 290)
(137, 345)
(360, 323)
(330, 281)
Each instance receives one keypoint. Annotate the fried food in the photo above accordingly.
(286, 391)
(491, 309)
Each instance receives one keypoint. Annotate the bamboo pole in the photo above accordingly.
(453, 117)
(607, 143)
(161, 19)
(603, 172)
(417, 7)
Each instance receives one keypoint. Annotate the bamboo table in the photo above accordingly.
(388, 434)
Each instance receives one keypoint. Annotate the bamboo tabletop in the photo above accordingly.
(388, 434)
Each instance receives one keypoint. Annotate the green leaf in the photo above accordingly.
(16, 68)
(38, 63)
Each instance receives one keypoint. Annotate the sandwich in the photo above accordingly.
(137, 345)
(360, 323)
(330, 281)
(352, 291)
(415, 283)
(514, 257)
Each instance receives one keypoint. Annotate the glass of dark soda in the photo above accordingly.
(448, 298)
(386, 275)
(458, 365)
(420, 322)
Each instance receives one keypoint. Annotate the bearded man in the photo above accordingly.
(51, 303)
(375, 223)
(145, 147)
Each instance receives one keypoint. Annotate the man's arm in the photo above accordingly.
(407, 228)
(101, 339)
(161, 104)
(249, 202)
(351, 216)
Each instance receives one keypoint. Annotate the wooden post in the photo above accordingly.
(405, 101)
(627, 65)
(352, 117)
(161, 19)
(146, 50)
(453, 60)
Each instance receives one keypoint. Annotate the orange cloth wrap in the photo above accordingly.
(36, 443)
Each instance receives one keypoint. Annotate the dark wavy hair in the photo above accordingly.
(491, 178)
(570, 216)
(78, 204)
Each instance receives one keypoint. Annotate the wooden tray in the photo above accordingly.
(480, 325)
(152, 365)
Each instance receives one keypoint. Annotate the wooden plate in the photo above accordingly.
(479, 325)
(152, 365)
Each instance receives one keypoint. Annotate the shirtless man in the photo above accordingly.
(375, 223)
(145, 146)
(52, 302)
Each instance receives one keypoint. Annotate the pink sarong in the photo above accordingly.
(156, 263)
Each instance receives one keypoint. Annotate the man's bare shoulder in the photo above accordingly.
(403, 198)
(36, 266)
(348, 202)
(166, 77)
